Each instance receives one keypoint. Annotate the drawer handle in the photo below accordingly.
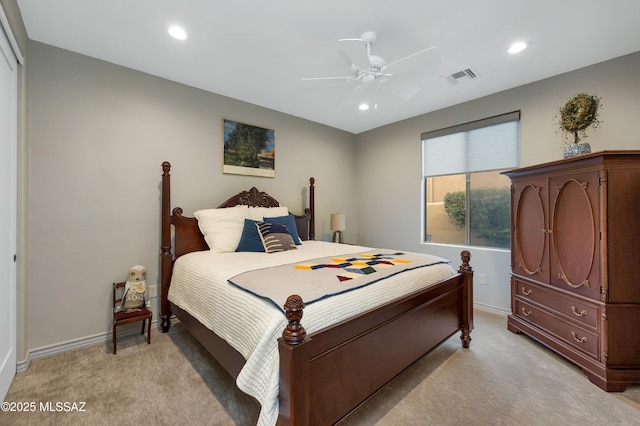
(525, 312)
(577, 339)
(582, 313)
(526, 292)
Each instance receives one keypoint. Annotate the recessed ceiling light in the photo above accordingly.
(363, 107)
(177, 32)
(518, 46)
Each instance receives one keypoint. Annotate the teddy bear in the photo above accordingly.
(135, 290)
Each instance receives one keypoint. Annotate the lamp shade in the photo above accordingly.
(338, 221)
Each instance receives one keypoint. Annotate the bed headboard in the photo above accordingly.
(254, 198)
(187, 235)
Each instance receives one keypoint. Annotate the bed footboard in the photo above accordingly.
(315, 368)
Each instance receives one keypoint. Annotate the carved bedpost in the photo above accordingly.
(294, 385)
(294, 333)
(467, 298)
(465, 257)
(166, 260)
(312, 207)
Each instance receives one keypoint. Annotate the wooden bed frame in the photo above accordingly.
(327, 374)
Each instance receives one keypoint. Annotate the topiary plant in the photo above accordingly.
(579, 113)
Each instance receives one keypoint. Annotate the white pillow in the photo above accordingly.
(259, 213)
(222, 228)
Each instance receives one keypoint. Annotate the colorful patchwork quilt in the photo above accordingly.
(318, 279)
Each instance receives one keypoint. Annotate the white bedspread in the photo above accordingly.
(199, 286)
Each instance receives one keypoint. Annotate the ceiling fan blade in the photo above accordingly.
(327, 83)
(326, 78)
(424, 62)
(347, 60)
(354, 97)
(403, 90)
(356, 49)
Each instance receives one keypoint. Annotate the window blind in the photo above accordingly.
(484, 145)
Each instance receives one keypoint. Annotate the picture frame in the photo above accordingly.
(248, 150)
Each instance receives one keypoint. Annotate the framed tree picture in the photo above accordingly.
(248, 150)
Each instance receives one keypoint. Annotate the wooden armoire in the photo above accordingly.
(575, 247)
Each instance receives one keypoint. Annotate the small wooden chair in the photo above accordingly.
(126, 317)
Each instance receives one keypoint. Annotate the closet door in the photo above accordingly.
(8, 206)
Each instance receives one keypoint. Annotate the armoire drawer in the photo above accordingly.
(572, 308)
(586, 341)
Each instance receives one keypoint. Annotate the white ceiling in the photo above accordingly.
(258, 50)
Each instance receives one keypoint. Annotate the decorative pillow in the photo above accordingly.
(250, 239)
(222, 228)
(259, 213)
(290, 222)
(275, 237)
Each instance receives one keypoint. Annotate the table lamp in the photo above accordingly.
(337, 225)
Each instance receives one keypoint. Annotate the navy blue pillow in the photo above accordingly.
(250, 239)
(288, 221)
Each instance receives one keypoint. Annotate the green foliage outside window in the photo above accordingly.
(490, 213)
(454, 204)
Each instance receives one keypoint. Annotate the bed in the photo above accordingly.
(344, 349)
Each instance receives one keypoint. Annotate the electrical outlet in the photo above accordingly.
(482, 279)
(153, 291)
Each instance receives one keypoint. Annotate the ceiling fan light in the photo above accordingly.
(518, 47)
(368, 78)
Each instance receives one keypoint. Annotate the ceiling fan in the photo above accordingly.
(368, 70)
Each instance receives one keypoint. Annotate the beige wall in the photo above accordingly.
(99, 133)
(390, 156)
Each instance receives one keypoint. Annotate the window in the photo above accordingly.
(467, 200)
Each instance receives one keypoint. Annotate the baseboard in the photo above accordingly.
(490, 308)
(58, 348)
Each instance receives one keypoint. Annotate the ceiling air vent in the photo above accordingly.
(457, 77)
